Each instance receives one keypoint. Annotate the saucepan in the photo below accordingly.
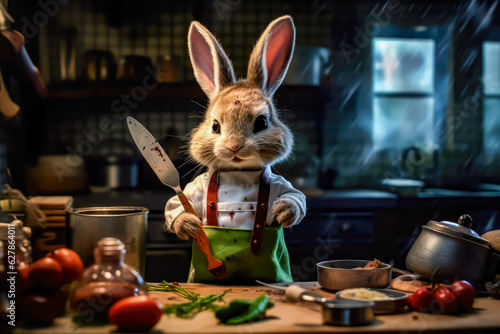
(458, 251)
(337, 312)
(344, 274)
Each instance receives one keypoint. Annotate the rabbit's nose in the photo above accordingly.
(234, 144)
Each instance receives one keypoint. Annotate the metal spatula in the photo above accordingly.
(163, 167)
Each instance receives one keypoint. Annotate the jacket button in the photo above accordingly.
(211, 204)
(258, 226)
(263, 205)
(254, 241)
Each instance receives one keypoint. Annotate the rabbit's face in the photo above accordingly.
(241, 130)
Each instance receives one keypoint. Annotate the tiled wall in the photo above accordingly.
(161, 28)
(69, 130)
(348, 149)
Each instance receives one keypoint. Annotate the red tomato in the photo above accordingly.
(445, 301)
(39, 309)
(137, 313)
(72, 266)
(45, 273)
(465, 294)
(421, 299)
(23, 270)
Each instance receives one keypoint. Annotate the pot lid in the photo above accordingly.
(461, 230)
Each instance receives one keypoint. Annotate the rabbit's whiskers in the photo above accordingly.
(199, 104)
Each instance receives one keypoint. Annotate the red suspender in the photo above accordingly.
(213, 187)
(259, 222)
(260, 214)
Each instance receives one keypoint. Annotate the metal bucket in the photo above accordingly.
(127, 223)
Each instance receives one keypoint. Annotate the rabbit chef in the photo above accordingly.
(242, 206)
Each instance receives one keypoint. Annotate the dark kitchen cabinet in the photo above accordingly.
(169, 265)
(339, 225)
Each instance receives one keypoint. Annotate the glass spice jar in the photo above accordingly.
(16, 246)
(107, 281)
(15, 259)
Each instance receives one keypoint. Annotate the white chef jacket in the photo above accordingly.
(236, 198)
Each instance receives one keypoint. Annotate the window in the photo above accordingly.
(491, 104)
(403, 93)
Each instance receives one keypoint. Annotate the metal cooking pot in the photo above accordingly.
(458, 250)
(127, 223)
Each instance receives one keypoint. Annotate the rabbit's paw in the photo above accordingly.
(286, 212)
(186, 225)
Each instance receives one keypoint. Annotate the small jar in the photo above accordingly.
(15, 259)
(169, 68)
(107, 281)
(16, 252)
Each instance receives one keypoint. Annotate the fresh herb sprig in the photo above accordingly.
(171, 287)
(196, 302)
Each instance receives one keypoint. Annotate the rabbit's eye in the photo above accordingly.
(216, 127)
(260, 124)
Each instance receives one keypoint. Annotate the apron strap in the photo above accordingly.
(259, 222)
(213, 188)
(260, 214)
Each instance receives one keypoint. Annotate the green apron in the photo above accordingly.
(247, 255)
(231, 246)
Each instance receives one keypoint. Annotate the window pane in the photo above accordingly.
(491, 68)
(402, 122)
(491, 126)
(403, 65)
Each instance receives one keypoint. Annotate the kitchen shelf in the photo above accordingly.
(83, 90)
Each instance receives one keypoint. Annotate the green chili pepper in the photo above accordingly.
(235, 308)
(255, 311)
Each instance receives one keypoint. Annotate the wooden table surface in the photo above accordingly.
(297, 318)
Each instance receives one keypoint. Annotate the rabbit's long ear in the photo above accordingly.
(272, 54)
(211, 66)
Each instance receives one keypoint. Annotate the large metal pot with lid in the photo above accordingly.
(458, 251)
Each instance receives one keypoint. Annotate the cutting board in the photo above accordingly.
(493, 238)
(296, 318)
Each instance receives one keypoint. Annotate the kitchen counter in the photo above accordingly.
(298, 318)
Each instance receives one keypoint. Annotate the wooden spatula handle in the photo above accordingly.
(201, 238)
(202, 241)
(185, 203)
